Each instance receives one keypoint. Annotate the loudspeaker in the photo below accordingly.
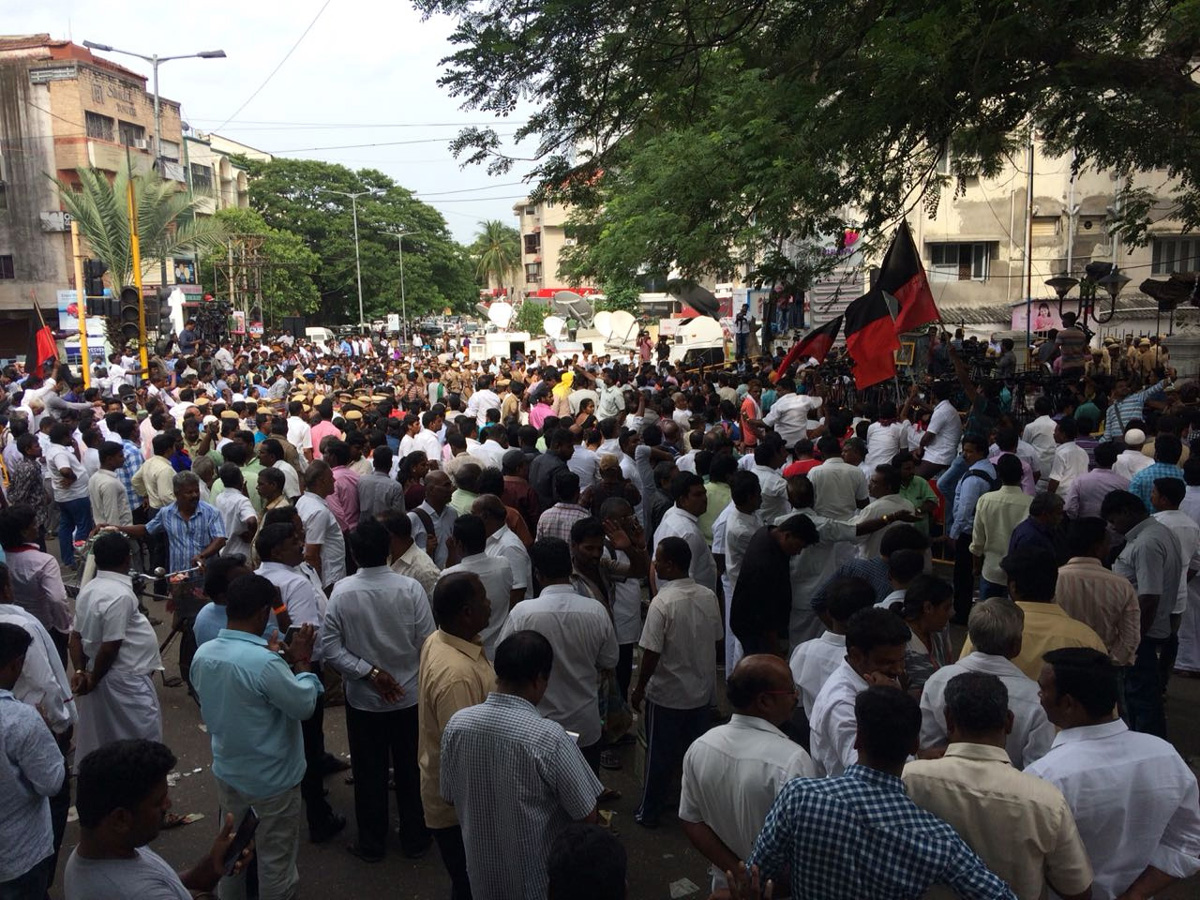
(294, 325)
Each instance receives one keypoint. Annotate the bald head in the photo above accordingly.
(762, 686)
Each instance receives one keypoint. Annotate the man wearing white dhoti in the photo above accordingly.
(115, 653)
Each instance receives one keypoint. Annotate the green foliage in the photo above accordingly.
(618, 297)
(438, 272)
(287, 276)
(165, 218)
(701, 134)
(529, 317)
(497, 253)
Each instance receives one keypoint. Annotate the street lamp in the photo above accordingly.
(154, 59)
(400, 233)
(354, 195)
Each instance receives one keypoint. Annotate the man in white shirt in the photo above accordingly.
(494, 571)
(115, 652)
(886, 503)
(271, 456)
(679, 659)
(839, 489)
(1020, 826)
(939, 445)
(769, 456)
(1131, 460)
(885, 438)
(732, 773)
(812, 662)
(610, 401)
(237, 513)
(435, 514)
(324, 544)
(1134, 799)
(491, 451)
(789, 413)
(682, 520)
(427, 440)
(1166, 497)
(995, 628)
(1070, 460)
(875, 645)
(581, 633)
(282, 553)
(503, 544)
(69, 479)
(482, 400)
(374, 628)
(1040, 435)
(299, 434)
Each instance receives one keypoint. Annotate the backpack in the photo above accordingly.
(992, 481)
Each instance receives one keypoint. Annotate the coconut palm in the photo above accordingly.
(497, 253)
(166, 219)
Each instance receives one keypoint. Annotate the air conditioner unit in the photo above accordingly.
(141, 144)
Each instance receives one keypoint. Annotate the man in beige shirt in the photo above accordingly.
(155, 480)
(997, 513)
(1097, 596)
(454, 674)
(406, 557)
(1032, 578)
(1020, 825)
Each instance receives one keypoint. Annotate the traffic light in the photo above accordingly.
(93, 286)
(128, 313)
(158, 311)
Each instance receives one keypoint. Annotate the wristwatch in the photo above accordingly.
(373, 674)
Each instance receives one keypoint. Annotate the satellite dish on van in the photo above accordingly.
(603, 323)
(554, 327)
(570, 304)
(701, 299)
(500, 314)
(624, 328)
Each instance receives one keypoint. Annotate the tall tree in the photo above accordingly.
(497, 253)
(780, 117)
(166, 221)
(286, 265)
(298, 195)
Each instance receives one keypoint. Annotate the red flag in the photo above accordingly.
(903, 276)
(815, 344)
(871, 339)
(43, 353)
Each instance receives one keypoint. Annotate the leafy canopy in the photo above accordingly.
(290, 195)
(165, 218)
(705, 133)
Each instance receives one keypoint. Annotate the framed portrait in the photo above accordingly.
(906, 353)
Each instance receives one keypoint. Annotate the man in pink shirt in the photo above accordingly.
(343, 502)
(324, 427)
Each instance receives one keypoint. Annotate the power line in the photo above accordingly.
(286, 57)
(256, 125)
(439, 140)
(489, 187)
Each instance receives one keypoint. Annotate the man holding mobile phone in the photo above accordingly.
(122, 798)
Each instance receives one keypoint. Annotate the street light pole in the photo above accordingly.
(154, 59)
(354, 195)
(403, 305)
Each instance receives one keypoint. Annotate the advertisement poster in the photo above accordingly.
(185, 271)
(68, 316)
(1042, 317)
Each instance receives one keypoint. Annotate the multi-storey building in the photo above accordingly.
(543, 239)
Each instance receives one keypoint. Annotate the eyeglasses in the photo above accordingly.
(794, 691)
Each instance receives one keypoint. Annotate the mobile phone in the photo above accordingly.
(241, 840)
(290, 633)
(573, 735)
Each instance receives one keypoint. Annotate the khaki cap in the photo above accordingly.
(353, 415)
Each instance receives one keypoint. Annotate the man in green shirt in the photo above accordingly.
(915, 490)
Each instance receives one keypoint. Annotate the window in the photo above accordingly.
(98, 126)
(170, 150)
(531, 210)
(131, 133)
(959, 262)
(202, 177)
(1175, 254)
(533, 273)
(533, 243)
(6, 268)
(97, 93)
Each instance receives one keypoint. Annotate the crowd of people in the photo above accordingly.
(516, 575)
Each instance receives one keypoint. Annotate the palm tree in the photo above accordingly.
(167, 223)
(497, 252)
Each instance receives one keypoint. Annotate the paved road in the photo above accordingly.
(661, 862)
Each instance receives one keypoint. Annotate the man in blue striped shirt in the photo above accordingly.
(1124, 407)
(857, 835)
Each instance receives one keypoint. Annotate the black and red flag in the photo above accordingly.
(871, 339)
(815, 343)
(903, 277)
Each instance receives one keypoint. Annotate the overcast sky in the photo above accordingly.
(365, 74)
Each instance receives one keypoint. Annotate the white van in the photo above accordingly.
(322, 337)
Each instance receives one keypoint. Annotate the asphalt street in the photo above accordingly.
(662, 864)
